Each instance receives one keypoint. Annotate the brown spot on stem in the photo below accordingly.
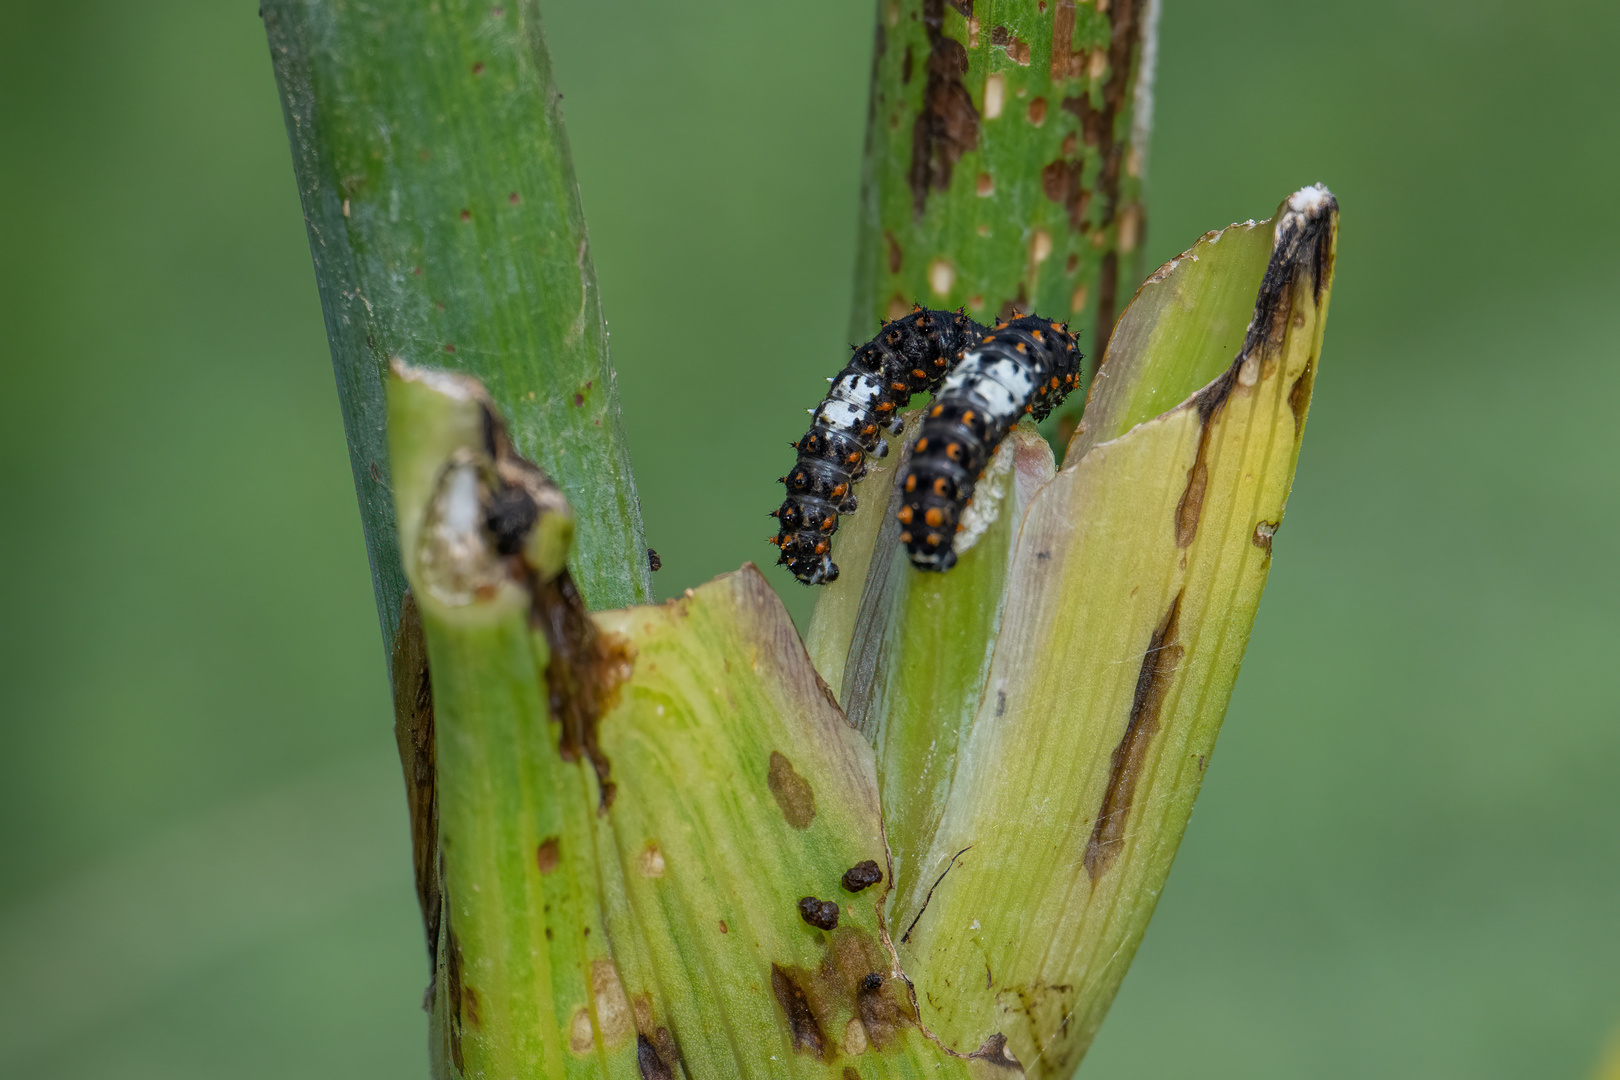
(807, 1036)
(413, 733)
(547, 856)
(947, 125)
(896, 256)
(850, 1073)
(792, 792)
(1158, 666)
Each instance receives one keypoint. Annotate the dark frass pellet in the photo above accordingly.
(822, 914)
(862, 875)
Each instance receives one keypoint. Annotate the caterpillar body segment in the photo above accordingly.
(1025, 367)
(910, 355)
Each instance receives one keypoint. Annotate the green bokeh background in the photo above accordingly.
(1406, 860)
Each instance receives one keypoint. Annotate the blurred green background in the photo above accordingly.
(1406, 860)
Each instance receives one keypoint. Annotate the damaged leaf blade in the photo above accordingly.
(1133, 587)
(747, 829)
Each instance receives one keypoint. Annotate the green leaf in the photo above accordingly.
(1134, 583)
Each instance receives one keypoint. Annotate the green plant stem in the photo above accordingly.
(1003, 159)
(445, 226)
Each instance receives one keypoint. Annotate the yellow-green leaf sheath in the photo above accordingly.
(743, 790)
(1133, 588)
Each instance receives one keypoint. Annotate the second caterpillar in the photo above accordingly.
(991, 379)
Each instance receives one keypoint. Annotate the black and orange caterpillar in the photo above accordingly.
(1023, 367)
(910, 354)
(991, 378)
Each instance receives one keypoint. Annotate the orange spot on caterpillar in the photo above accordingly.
(934, 516)
(904, 515)
(911, 483)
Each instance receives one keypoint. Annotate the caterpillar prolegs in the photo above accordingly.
(991, 378)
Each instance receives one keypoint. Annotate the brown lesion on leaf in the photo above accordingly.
(792, 792)
(995, 1052)
(851, 991)
(1191, 506)
(650, 1062)
(547, 855)
(1263, 532)
(1159, 665)
(654, 1037)
(413, 732)
(786, 984)
(1299, 396)
(947, 125)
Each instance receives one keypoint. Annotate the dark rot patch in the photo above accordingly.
(850, 1073)
(793, 793)
(654, 563)
(873, 981)
(862, 875)
(648, 1060)
(822, 914)
(795, 1003)
(413, 731)
(947, 125)
(546, 855)
(582, 676)
(1158, 667)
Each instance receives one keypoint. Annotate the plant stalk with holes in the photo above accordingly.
(925, 838)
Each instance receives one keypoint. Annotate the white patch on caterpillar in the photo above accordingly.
(988, 497)
(1004, 385)
(858, 389)
(841, 416)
